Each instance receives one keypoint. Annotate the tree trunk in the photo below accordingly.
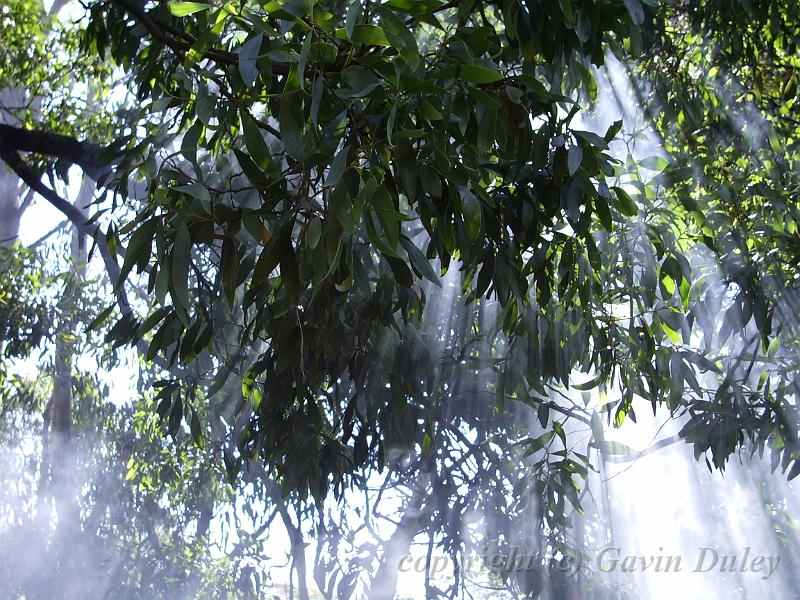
(10, 212)
(69, 556)
(11, 102)
(384, 584)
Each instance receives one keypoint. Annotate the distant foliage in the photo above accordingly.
(26, 313)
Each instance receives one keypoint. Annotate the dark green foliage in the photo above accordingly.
(363, 146)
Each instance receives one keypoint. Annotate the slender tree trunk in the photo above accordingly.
(9, 207)
(10, 212)
(297, 546)
(296, 540)
(384, 584)
(69, 557)
(62, 576)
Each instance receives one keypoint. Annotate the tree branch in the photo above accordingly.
(55, 229)
(182, 44)
(83, 154)
(33, 181)
(26, 202)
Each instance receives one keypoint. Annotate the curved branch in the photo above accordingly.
(83, 154)
(34, 182)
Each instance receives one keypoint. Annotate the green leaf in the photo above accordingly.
(100, 318)
(672, 333)
(195, 190)
(360, 82)
(313, 232)
(138, 250)
(352, 18)
(175, 415)
(414, 7)
(205, 106)
(248, 381)
(586, 385)
(566, 10)
(430, 111)
(703, 362)
(376, 239)
(266, 263)
(207, 40)
(559, 429)
(337, 167)
(299, 8)
(152, 320)
(182, 9)
(612, 132)
(472, 213)
(478, 74)
(616, 449)
(388, 215)
(597, 428)
(190, 142)
(400, 37)
(421, 264)
(257, 147)
(591, 138)
(291, 124)
(625, 203)
(654, 163)
(536, 444)
(543, 413)
(574, 159)
(301, 62)
(794, 471)
(390, 123)
(602, 210)
(371, 35)
(636, 11)
(196, 429)
(220, 378)
(248, 54)
(676, 388)
(401, 271)
(257, 177)
(316, 98)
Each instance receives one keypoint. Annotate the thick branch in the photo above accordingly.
(24, 172)
(83, 154)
